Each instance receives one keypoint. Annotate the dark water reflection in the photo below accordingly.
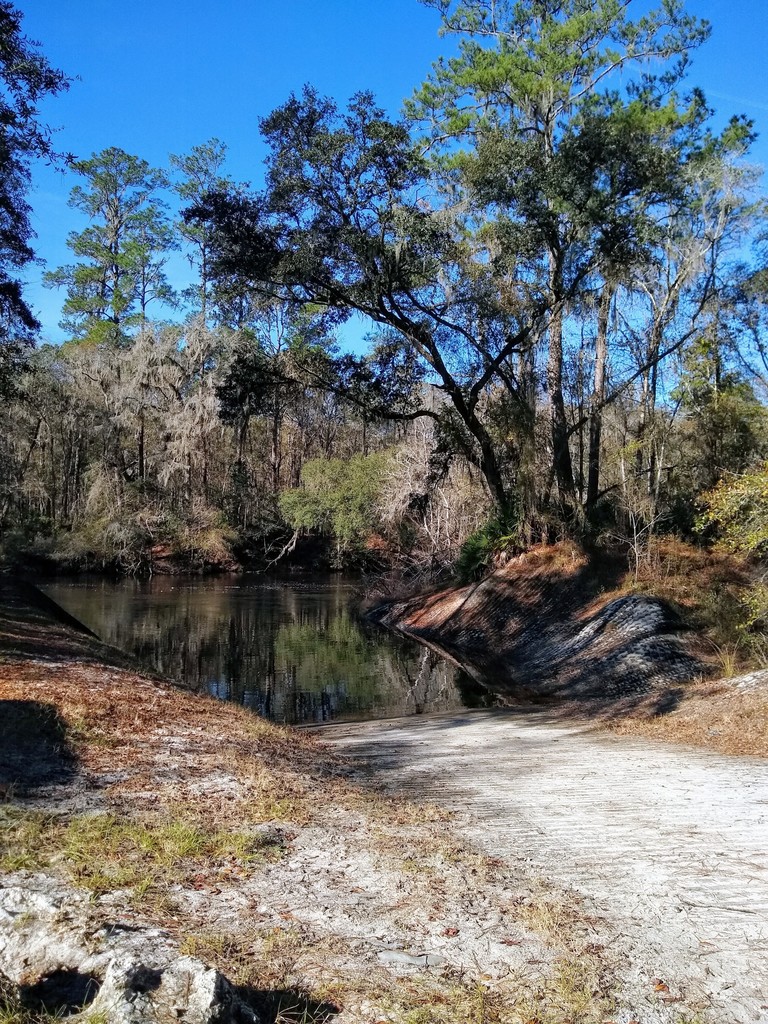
(293, 649)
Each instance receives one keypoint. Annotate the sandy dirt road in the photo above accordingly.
(667, 845)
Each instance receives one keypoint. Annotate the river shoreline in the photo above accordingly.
(260, 872)
(187, 837)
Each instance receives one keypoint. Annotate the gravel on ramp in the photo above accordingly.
(668, 845)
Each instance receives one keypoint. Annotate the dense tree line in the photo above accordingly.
(561, 264)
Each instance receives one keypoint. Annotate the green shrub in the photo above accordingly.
(338, 497)
(738, 510)
(497, 535)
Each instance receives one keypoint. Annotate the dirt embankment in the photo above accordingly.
(541, 622)
(556, 627)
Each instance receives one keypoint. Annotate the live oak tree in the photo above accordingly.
(535, 79)
(347, 223)
(26, 78)
(535, 186)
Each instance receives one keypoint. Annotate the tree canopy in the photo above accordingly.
(122, 251)
(537, 184)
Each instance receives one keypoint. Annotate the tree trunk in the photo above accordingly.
(652, 456)
(276, 454)
(142, 472)
(648, 406)
(561, 453)
(598, 395)
(487, 463)
(242, 437)
(489, 467)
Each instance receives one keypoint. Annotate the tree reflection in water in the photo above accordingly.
(292, 650)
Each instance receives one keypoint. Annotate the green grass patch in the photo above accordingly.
(101, 852)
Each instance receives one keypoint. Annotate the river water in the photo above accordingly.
(293, 649)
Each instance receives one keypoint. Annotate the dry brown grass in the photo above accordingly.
(159, 740)
(576, 987)
(714, 716)
(680, 572)
(707, 584)
(565, 556)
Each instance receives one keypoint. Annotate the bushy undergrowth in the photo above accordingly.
(129, 538)
(721, 593)
(497, 535)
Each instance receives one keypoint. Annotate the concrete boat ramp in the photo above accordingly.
(668, 846)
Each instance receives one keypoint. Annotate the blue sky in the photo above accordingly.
(160, 76)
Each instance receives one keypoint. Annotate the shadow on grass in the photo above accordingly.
(65, 992)
(61, 993)
(34, 747)
(286, 1006)
(656, 703)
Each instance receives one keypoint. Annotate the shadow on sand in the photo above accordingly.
(34, 748)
